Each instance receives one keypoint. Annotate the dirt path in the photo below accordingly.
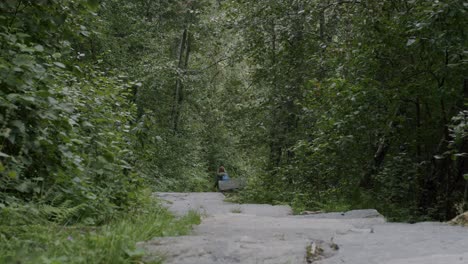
(265, 234)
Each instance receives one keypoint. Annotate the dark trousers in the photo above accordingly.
(217, 179)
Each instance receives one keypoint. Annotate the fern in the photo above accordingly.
(61, 213)
(24, 214)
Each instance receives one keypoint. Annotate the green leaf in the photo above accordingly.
(12, 174)
(5, 133)
(135, 253)
(87, 124)
(94, 4)
(20, 125)
(23, 60)
(410, 41)
(465, 176)
(23, 187)
(39, 48)
(109, 156)
(60, 65)
(85, 33)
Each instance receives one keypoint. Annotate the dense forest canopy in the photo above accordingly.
(320, 104)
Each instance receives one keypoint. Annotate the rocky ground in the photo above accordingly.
(265, 234)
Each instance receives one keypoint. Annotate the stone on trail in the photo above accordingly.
(265, 234)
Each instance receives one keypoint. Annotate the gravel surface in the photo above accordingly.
(258, 233)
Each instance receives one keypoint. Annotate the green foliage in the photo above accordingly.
(112, 243)
(324, 106)
(358, 98)
(35, 213)
(65, 124)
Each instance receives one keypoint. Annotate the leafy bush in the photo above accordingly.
(65, 124)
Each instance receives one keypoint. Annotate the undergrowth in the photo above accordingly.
(114, 242)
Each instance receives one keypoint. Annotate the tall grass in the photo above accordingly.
(111, 243)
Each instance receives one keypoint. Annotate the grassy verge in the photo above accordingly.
(112, 243)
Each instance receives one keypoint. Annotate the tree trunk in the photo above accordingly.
(463, 162)
(275, 128)
(184, 52)
(379, 156)
(418, 130)
(445, 181)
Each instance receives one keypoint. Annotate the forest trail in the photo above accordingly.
(265, 234)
